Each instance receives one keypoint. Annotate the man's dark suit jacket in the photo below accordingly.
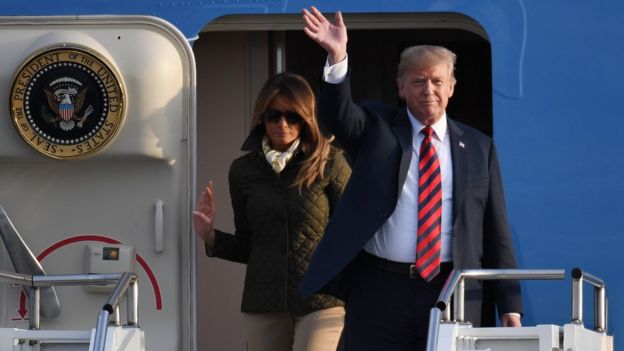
(378, 140)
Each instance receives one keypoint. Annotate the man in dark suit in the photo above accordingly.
(425, 196)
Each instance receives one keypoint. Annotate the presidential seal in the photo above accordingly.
(67, 102)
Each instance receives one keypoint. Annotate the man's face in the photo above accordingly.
(427, 91)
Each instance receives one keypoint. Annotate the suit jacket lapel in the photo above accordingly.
(460, 166)
(403, 130)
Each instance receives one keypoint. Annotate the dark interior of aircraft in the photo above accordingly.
(374, 55)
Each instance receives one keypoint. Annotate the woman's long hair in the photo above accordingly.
(298, 94)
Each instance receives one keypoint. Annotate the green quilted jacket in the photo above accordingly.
(278, 228)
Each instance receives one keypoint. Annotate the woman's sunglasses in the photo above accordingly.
(274, 116)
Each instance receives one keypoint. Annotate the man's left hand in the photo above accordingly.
(510, 320)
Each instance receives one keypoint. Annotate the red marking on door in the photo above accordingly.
(99, 238)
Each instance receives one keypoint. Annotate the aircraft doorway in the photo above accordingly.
(235, 55)
(374, 55)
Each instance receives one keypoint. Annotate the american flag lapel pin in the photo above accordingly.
(461, 144)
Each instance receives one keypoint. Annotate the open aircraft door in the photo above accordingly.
(97, 163)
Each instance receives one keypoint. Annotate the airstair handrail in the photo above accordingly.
(600, 299)
(25, 262)
(15, 278)
(127, 281)
(126, 284)
(454, 286)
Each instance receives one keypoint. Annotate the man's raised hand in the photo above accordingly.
(330, 36)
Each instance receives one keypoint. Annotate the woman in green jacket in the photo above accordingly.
(283, 192)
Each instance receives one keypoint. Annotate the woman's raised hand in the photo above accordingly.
(204, 215)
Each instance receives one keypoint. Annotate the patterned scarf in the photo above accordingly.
(278, 159)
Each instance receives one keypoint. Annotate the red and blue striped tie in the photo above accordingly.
(429, 209)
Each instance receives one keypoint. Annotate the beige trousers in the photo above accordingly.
(316, 331)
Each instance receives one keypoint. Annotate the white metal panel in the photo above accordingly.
(61, 205)
(455, 337)
(577, 338)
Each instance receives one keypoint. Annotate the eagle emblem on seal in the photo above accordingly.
(66, 105)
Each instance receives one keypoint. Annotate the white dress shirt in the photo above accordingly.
(396, 240)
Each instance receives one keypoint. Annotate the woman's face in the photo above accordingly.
(281, 125)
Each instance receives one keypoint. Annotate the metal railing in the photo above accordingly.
(25, 262)
(454, 287)
(600, 299)
(35, 282)
(126, 284)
